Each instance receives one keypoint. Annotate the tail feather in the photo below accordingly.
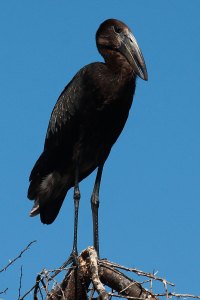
(35, 209)
(49, 193)
(50, 210)
(48, 186)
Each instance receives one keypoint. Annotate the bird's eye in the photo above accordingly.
(117, 29)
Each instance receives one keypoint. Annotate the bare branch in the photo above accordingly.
(138, 272)
(28, 292)
(102, 274)
(4, 292)
(38, 279)
(92, 293)
(20, 283)
(177, 295)
(51, 278)
(124, 297)
(95, 276)
(21, 253)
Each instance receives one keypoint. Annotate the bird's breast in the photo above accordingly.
(103, 115)
(100, 130)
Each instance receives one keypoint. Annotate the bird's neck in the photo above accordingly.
(118, 64)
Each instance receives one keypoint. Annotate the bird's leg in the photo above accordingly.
(95, 207)
(74, 254)
(77, 196)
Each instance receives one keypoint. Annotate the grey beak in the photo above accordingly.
(130, 49)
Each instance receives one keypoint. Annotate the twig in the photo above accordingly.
(48, 279)
(63, 267)
(177, 295)
(92, 293)
(38, 279)
(45, 286)
(145, 281)
(138, 272)
(20, 283)
(12, 261)
(45, 273)
(60, 270)
(28, 292)
(41, 294)
(124, 297)
(127, 287)
(102, 273)
(166, 289)
(4, 292)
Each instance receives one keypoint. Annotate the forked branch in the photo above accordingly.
(94, 277)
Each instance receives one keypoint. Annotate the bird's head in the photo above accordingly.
(114, 37)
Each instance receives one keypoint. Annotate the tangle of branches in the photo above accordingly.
(95, 278)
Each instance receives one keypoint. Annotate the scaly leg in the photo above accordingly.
(95, 207)
(77, 195)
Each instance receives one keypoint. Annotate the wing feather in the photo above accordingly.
(64, 118)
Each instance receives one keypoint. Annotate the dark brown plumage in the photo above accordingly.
(87, 119)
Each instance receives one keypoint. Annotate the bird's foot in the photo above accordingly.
(73, 259)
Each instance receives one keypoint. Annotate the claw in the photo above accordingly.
(74, 258)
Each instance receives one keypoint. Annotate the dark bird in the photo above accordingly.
(85, 123)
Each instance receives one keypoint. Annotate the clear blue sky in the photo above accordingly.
(150, 195)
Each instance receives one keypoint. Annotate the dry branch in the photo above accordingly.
(3, 292)
(11, 262)
(19, 256)
(20, 283)
(91, 269)
(93, 275)
(178, 295)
